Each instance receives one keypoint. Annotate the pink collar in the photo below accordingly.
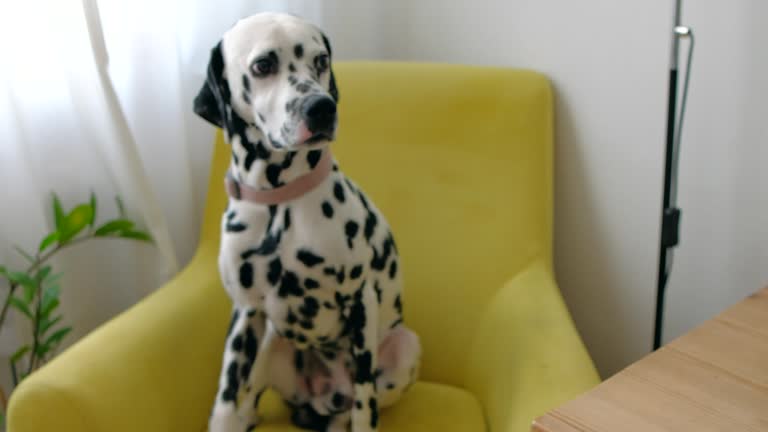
(284, 193)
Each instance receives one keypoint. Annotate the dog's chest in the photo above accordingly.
(301, 261)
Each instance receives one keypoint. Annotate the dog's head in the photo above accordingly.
(272, 72)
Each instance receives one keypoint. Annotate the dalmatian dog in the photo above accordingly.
(305, 256)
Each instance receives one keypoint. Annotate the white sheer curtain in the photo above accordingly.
(63, 129)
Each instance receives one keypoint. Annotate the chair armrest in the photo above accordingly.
(152, 368)
(527, 356)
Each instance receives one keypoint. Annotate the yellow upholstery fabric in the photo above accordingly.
(460, 160)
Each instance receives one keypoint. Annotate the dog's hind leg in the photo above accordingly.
(364, 320)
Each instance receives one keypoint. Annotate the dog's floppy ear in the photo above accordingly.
(332, 89)
(212, 101)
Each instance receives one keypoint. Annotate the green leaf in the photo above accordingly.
(75, 221)
(3, 270)
(120, 206)
(48, 241)
(113, 227)
(58, 212)
(57, 336)
(21, 306)
(46, 324)
(93, 209)
(21, 278)
(26, 255)
(20, 353)
(49, 307)
(136, 235)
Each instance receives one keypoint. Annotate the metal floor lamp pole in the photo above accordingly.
(670, 213)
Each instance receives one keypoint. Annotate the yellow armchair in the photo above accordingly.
(460, 160)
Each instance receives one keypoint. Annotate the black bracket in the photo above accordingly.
(670, 227)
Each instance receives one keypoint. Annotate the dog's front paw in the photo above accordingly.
(231, 422)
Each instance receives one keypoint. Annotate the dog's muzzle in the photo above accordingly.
(319, 115)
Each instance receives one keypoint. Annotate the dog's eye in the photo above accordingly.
(264, 66)
(321, 63)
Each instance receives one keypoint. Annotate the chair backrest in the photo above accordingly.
(459, 159)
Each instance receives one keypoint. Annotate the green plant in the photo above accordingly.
(34, 292)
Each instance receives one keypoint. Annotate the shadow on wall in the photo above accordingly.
(586, 267)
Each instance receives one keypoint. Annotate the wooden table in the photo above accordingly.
(714, 378)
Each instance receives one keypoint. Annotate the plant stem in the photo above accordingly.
(39, 260)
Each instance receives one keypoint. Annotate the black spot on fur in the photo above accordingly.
(287, 218)
(328, 305)
(235, 316)
(396, 323)
(298, 50)
(393, 269)
(357, 319)
(310, 307)
(288, 160)
(390, 386)
(308, 258)
(335, 167)
(350, 229)
(275, 271)
(292, 80)
(289, 285)
(262, 118)
(398, 305)
(237, 343)
(313, 157)
(301, 338)
(246, 275)
(233, 383)
(251, 313)
(298, 360)
(363, 372)
(374, 412)
(337, 400)
(306, 325)
(246, 98)
(377, 288)
(235, 227)
(327, 209)
(246, 83)
(359, 404)
(340, 275)
(292, 106)
(304, 87)
(379, 261)
(291, 67)
(288, 334)
(291, 318)
(356, 272)
(273, 174)
(338, 192)
(370, 225)
(254, 152)
(311, 284)
(329, 271)
(235, 158)
(245, 370)
(251, 345)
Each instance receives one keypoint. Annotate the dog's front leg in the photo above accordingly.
(240, 385)
(364, 320)
(257, 381)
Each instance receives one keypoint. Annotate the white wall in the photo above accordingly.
(608, 62)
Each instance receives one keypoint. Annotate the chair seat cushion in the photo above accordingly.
(425, 407)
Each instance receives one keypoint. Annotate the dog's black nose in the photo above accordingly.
(319, 113)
